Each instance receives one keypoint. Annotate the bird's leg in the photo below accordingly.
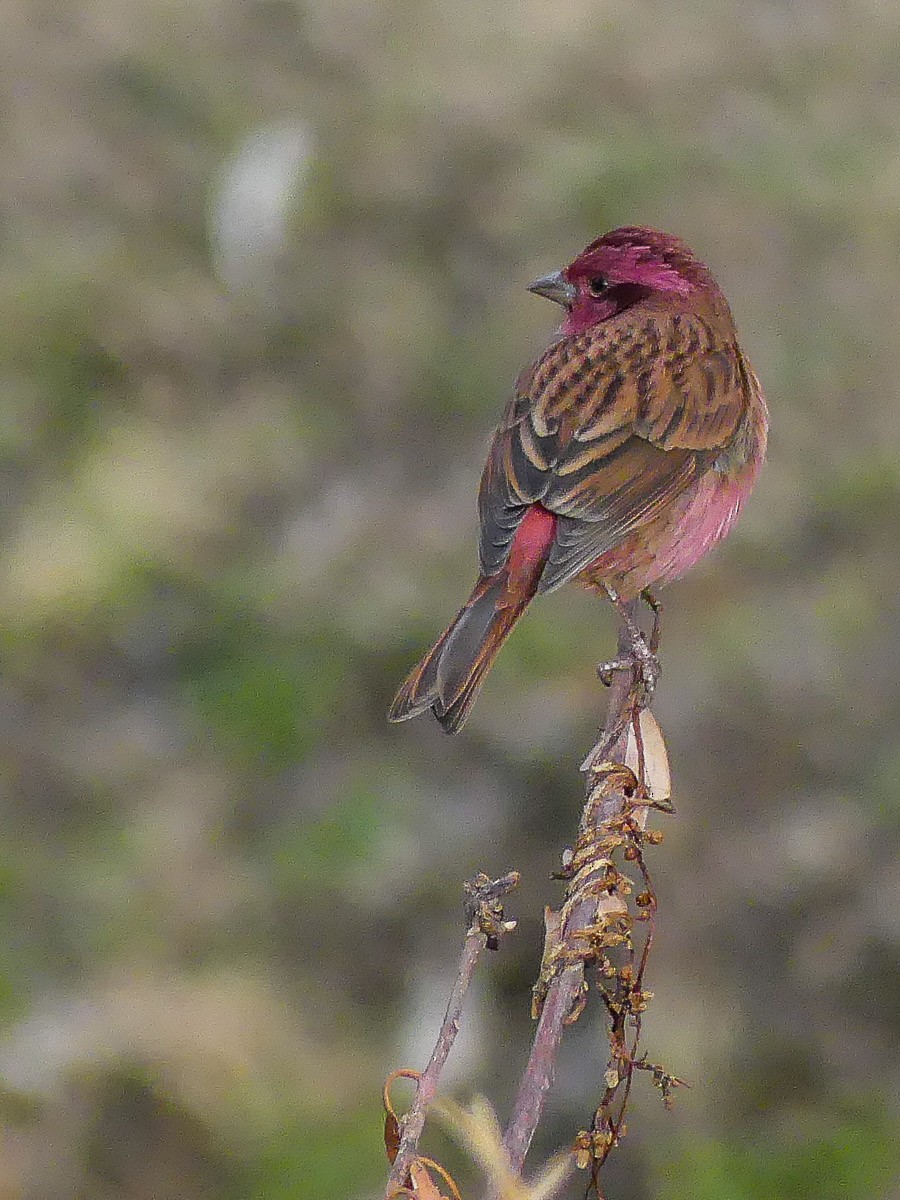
(651, 601)
(641, 657)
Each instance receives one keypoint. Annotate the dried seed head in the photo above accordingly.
(583, 1150)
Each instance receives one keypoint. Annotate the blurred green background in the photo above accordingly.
(261, 298)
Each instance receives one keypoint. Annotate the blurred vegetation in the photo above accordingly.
(261, 298)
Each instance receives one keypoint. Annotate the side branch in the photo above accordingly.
(484, 913)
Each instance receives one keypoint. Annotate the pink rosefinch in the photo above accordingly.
(625, 454)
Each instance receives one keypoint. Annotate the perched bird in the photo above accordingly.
(624, 455)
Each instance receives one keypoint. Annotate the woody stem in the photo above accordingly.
(565, 986)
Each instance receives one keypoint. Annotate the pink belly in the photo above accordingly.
(671, 545)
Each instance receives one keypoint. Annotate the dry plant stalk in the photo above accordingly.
(596, 928)
(486, 924)
(604, 926)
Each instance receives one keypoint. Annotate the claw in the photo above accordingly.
(606, 670)
(641, 661)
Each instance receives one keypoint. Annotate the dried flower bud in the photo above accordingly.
(583, 1150)
(638, 1001)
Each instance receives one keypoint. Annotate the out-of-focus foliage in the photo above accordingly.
(261, 297)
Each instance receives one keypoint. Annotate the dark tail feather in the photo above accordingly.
(449, 676)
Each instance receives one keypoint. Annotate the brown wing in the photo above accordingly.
(605, 429)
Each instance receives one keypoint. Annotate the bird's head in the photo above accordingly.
(617, 271)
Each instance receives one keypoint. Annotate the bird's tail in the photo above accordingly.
(449, 676)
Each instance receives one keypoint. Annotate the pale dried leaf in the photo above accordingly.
(657, 775)
(552, 1177)
(478, 1129)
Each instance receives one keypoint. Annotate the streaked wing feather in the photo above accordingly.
(626, 491)
(605, 429)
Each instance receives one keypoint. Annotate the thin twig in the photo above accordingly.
(566, 985)
(484, 912)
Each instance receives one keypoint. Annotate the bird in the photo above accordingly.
(626, 452)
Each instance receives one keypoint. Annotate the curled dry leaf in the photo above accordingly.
(391, 1136)
(424, 1187)
(553, 950)
(657, 777)
(392, 1131)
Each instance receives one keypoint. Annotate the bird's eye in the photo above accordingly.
(598, 285)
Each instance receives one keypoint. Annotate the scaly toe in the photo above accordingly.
(648, 666)
(606, 670)
(640, 660)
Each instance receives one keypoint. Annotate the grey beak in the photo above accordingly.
(555, 288)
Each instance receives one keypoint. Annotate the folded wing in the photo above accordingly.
(607, 428)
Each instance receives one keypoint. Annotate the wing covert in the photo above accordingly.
(606, 429)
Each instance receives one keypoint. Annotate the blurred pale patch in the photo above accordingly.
(252, 200)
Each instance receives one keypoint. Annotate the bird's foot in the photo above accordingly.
(640, 660)
(640, 657)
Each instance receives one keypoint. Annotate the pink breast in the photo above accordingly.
(707, 515)
(670, 546)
